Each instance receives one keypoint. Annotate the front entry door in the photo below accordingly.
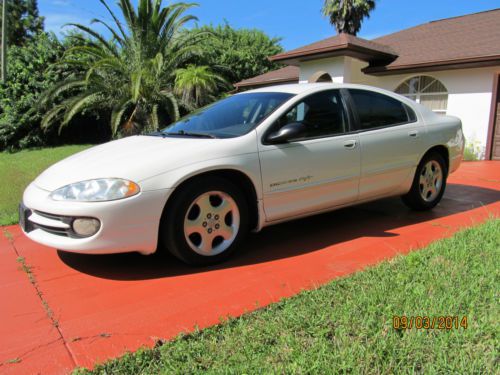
(495, 142)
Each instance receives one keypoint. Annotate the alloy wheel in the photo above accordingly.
(212, 223)
(431, 181)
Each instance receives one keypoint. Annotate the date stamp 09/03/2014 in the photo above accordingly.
(429, 322)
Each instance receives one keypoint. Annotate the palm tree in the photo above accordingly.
(196, 84)
(132, 76)
(347, 15)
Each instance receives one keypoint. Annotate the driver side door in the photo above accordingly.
(318, 170)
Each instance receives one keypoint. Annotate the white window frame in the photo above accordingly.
(417, 96)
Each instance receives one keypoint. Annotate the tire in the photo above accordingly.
(206, 221)
(428, 184)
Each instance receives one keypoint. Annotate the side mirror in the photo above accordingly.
(287, 133)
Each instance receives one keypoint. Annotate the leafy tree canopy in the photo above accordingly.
(237, 53)
(23, 21)
(347, 15)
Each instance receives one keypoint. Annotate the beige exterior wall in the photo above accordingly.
(334, 66)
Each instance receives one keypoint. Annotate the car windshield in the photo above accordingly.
(230, 117)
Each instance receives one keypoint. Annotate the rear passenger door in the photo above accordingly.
(390, 139)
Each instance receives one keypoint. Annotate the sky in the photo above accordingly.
(297, 22)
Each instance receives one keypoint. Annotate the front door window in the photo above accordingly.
(323, 115)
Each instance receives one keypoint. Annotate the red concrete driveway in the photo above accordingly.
(60, 310)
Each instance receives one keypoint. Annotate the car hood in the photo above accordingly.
(134, 158)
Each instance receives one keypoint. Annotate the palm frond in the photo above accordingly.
(118, 113)
(136, 85)
(117, 21)
(110, 47)
(53, 114)
(61, 87)
(170, 102)
(129, 14)
(111, 63)
(79, 103)
(117, 37)
(92, 51)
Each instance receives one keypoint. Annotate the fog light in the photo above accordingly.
(86, 227)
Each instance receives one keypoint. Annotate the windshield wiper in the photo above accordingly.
(192, 134)
(156, 134)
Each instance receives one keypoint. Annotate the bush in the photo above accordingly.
(31, 71)
(473, 151)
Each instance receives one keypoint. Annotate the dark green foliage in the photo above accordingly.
(28, 76)
(23, 21)
(237, 54)
(31, 72)
(347, 15)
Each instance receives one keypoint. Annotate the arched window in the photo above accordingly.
(320, 77)
(427, 91)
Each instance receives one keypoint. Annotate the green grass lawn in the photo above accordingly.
(19, 169)
(346, 326)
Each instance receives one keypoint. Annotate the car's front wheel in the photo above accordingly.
(429, 183)
(206, 221)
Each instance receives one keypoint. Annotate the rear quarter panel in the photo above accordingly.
(445, 131)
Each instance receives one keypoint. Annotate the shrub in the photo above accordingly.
(31, 71)
(473, 151)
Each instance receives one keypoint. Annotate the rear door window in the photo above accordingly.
(376, 110)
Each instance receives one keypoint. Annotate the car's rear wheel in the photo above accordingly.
(429, 183)
(206, 221)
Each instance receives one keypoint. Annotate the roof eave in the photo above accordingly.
(267, 82)
(362, 53)
(474, 62)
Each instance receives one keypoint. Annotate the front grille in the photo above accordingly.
(52, 230)
(64, 232)
(62, 219)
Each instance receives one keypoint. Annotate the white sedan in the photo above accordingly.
(251, 160)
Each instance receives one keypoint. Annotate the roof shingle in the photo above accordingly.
(473, 36)
(286, 74)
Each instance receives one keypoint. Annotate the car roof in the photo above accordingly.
(310, 88)
(295, 88)
(300, 88)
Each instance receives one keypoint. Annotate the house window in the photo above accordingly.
(320, 77)
(427, 91)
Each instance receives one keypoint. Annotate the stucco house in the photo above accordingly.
(450, 65)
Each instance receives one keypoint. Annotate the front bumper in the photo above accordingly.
(127, 225)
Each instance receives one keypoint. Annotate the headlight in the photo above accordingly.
(100, 190)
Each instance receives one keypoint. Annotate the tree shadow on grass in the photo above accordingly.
(375, 219)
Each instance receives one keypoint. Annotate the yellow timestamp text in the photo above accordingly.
(429, 322)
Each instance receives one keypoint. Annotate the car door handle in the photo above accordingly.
(350, 144)
(413, 133)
